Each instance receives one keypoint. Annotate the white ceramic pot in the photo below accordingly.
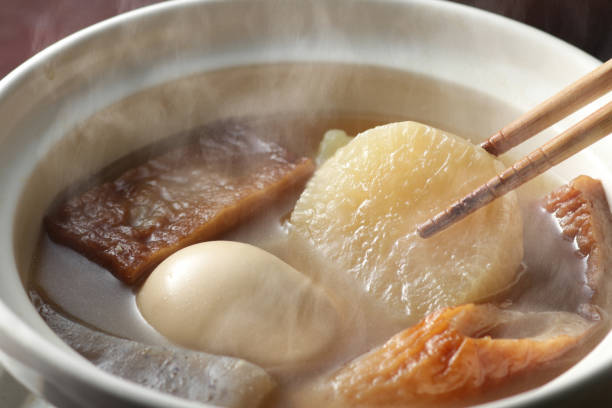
(64, 115)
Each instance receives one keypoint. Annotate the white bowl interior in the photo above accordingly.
(117, 86)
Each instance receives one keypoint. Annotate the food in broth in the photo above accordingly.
(236, 299)
(189, 194)
(336, 296)
(361, 207)
(220, 380)
(455, 351)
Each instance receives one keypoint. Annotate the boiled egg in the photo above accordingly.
(235, 299)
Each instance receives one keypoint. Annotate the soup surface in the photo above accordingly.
(551, 278)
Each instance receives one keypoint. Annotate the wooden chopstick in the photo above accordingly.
(571, 98)
(584, 133)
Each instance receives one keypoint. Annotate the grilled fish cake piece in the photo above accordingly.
(191, 193)
(452, 352)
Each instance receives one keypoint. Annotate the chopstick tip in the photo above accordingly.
(427, 229)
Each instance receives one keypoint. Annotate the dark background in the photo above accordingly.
(586, 24)
(28, 26)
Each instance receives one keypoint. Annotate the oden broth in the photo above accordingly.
(368, 96)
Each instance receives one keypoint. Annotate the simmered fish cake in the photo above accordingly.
(583, 213)
(219, 380)
(454, 351)
(568, 271)
(192, 193)
(361, 208)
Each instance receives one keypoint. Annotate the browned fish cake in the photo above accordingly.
(191, 193)
(451, 353)
(582, 211)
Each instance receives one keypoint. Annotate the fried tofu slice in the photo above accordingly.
(583, 213)
(454, 351)
(191, 193)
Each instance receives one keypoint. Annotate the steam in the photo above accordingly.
(265, 89)
(51, 21)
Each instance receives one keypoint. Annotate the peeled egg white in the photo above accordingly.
(235, 299)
